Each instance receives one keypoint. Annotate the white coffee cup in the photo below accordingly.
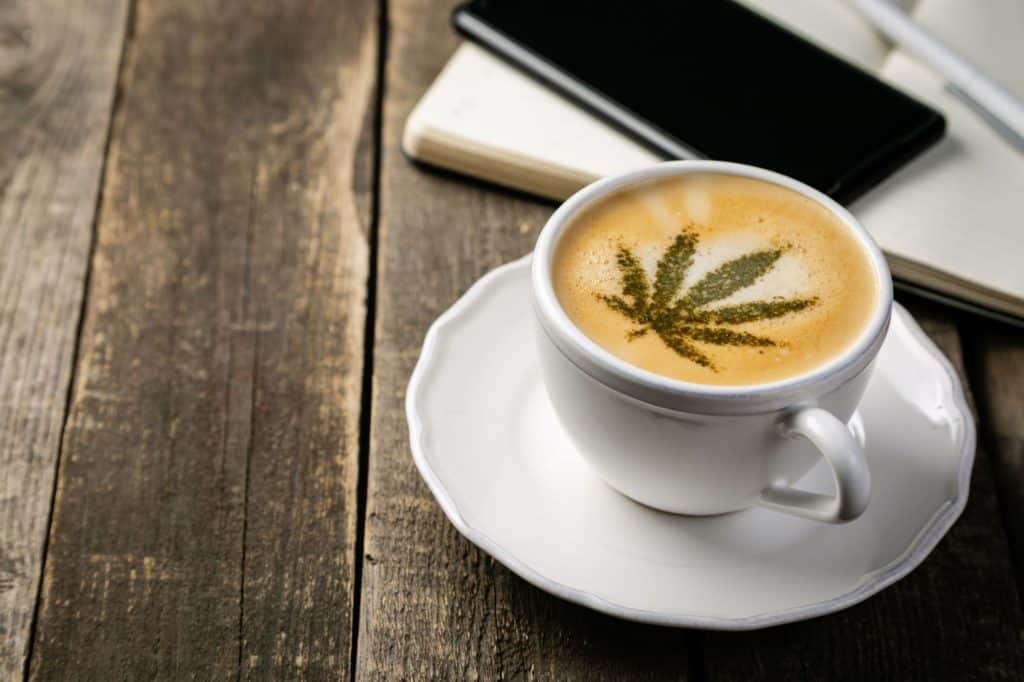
(691, 448)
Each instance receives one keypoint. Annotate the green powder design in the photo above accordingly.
(681, 319)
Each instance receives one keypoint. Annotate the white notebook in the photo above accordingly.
(951, 221)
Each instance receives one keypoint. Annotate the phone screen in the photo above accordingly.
(712, 79)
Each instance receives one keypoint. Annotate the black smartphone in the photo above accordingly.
(712, 79)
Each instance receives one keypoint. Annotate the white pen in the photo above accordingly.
(993, 101)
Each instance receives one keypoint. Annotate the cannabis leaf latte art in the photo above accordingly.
(715, 279)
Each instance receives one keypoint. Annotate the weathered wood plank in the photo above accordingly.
(433, 606)
(957, 617)
(205, 511)
(58, 72)
(996, 361)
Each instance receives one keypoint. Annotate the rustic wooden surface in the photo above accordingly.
(204, 522)
(58, 71)
(235, 495)
(996, 359)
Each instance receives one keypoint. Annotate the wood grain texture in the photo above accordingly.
(956, 617)
(58, 72)
(996, 360)
(206, 505)
(433, 606)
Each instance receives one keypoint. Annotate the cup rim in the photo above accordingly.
(676, 394)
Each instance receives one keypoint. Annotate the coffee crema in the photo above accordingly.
(715, 279)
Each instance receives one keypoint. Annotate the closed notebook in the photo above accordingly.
(949, 221)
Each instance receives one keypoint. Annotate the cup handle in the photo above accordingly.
(849, 471)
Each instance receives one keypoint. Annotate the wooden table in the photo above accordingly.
(216, 270)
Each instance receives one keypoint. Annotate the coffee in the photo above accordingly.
(715, 279)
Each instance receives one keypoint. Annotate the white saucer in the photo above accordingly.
(491, 450)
